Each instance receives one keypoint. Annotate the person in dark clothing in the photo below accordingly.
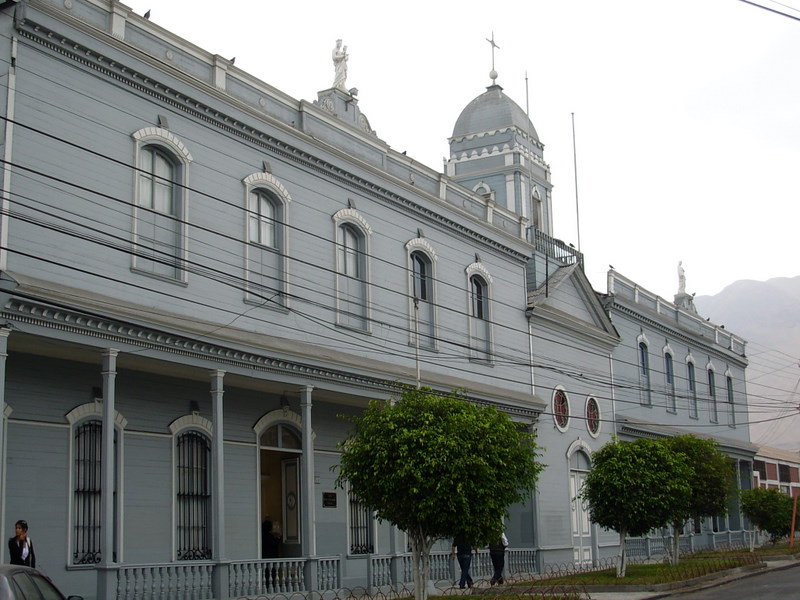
(497, 552)
(462, 550)
(20, 547)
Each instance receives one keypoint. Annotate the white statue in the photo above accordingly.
(681, 278)
(340, 65)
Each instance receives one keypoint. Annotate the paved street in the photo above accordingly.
(781, 584)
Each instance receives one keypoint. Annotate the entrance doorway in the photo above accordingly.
(280, 453)
(581, 527)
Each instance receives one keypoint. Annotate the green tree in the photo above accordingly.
(712, 483)
(634, 487)
(436, 466)
(769, 510)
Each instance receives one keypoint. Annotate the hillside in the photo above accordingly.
(767, 315)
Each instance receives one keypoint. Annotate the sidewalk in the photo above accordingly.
(770, 564)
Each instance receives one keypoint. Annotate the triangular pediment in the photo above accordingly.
(567, 297)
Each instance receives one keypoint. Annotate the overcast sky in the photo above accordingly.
(686, 112)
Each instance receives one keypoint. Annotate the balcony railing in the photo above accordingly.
(554, 249)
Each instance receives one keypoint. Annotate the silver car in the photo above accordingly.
(24, 583)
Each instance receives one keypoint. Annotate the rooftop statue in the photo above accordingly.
(340, 65)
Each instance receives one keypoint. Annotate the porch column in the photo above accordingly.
(308, 528)
(4, 333)
(221, 572)
(106, 571)
(108, 467)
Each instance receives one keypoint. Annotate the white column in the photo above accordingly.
(108, 464)
(218, 466)
(4, 333)
(308, 519)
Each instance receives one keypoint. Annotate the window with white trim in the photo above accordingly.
(159, 227)
(645, 391)
(692, 384)
(193, 495)
(265, 253)
(669, 382)
(592, 416)
(352, 268)
(87, 493)
(422, 300)
(561, 409)
(86, 461)
(712, 396)
(731, 405)
(480, 329)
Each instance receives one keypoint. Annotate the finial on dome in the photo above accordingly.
(493, 73)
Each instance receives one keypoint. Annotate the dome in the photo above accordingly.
(491, 111)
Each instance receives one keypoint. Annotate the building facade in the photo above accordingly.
(200, 275)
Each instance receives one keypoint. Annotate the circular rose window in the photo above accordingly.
(561, 409)
(592, 416)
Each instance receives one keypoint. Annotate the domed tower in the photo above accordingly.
(495, 151)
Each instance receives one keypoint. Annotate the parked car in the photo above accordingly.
(24, 583)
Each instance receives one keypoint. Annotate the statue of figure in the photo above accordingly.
(340, 65)
(681, 278)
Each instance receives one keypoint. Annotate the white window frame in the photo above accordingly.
(422, 247)
(165, 142)
(350, 221)
(276, 296)
(483, 353)
(190, 423)
(93, 411)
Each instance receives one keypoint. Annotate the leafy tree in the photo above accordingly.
(436, 466)
(634, 487)
(770, 510)
(712, 482)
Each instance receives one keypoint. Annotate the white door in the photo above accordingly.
(291, 504)
(581, 528)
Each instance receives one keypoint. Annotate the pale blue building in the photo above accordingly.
(199, 274)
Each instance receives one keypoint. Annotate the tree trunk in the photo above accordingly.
(623, 555)
(421, 557)
(676, 544)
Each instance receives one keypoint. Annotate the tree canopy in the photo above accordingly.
(711, 479)
(769, 510)
(634, 487)
(437, 466)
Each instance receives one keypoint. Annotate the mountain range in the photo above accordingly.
(767, 315)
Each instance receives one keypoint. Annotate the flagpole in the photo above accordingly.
(575, 168)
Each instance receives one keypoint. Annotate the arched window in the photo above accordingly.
(480, 329)
(87, 493)
(281, 436)
(478, 289)
(267, 202)
(160, 209)
(86, 483)
(645, 392)
(692, 384)
(422, 300)
(351, 252)
(157, 179)
(731, 405)
(263, 213)
(352, 233)
(669, 382)
(561, 409)
(193, 496)
(712, 395)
